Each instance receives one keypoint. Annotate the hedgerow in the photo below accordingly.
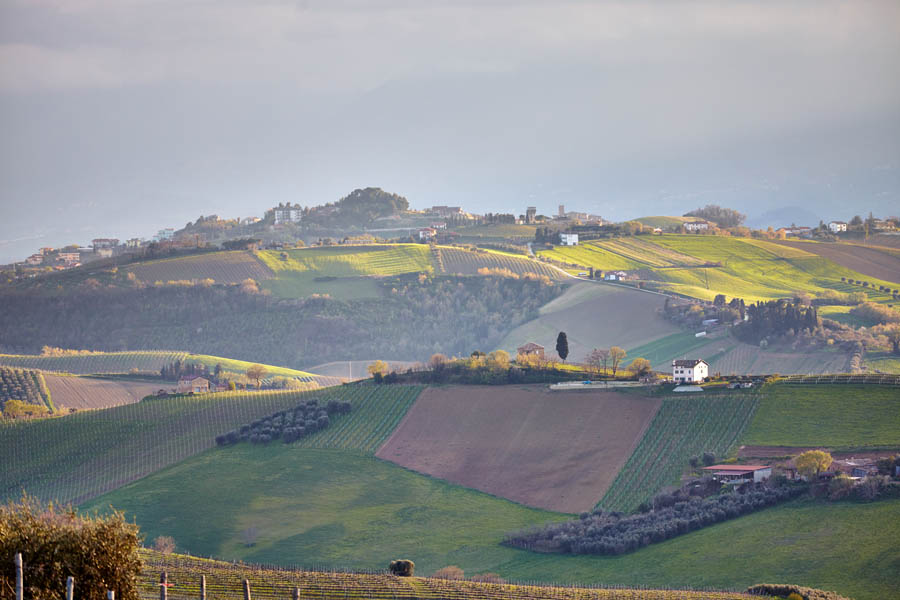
(601, 532)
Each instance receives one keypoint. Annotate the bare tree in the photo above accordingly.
(164, 544)
(257, 373)
(616, 355)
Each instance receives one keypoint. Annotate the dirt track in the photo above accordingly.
(86, 393)
(867, 260)
(553, 450)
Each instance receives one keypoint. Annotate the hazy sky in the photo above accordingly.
(120, 117)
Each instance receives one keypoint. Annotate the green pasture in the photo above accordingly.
(315, 507)
(834, 416)
(590, 254)
(661, 352)
(883, 362)
(849, 548)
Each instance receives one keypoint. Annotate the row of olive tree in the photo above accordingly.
(289, 425)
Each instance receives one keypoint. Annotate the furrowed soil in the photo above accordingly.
(554, 450)
(86, 393)
(867, 260)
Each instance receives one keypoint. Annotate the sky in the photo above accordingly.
(121, 117)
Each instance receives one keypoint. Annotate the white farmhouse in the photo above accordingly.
(568, 239)
(689, 371)
(837, 226)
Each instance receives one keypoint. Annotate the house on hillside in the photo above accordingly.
(690, 371)
(837, 226)
(615, 276)
(738, 474)
(568, 239)
(427, 233)
(531, 349)
(793, 231)
(192, 384)
(288, 213)
(695, 226)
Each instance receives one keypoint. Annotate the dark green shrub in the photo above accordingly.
(100, 552)
(402, 568)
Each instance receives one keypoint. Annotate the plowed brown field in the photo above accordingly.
(867, 260)
(83, 392)
(553, 450)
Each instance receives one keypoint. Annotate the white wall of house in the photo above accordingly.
(568, 239)
(698, 372)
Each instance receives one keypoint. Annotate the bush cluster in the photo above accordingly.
(289, 425)
(599, 532)
(100, 553)
(785, 591)
(21, 384)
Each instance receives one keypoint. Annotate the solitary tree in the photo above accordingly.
(616, 355)
(378, 368)
(813, 462)
(562, 345)
(256, 373)
(639, 366)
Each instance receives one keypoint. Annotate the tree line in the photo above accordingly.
(288, 425)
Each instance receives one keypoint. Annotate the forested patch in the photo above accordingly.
(412, 320)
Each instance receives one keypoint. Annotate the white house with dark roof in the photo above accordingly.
(690, 371)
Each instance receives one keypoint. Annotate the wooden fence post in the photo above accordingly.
(20, 581)
(246, 589)
(70, 588)
(163, 585)
(203, 587)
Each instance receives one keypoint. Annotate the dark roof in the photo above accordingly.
(689, 363)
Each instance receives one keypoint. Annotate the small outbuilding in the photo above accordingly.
(738, 474)
(192, 384)
(531, 349)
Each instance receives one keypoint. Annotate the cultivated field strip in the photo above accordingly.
(81, 456)
(95, 363)
(222, 267)
(457, 261)
(683, 427)
(224, 581)
(350, 261)
(650, 254)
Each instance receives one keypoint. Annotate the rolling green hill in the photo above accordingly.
(80, 456)
(341, 271)
(834, 416)
(338, 509)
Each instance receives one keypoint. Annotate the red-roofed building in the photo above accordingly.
(739, 473)
(531, 349)
(192, 384)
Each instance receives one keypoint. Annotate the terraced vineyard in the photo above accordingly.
(590, 254)
(351, 261)
(222, 267)
(95, 362)
(224, 581)
(683, 427)
(465, 262)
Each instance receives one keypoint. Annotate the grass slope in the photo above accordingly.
(320, 507)
(846, 547)
(86, 454)
(309, 270)
(826, 415)
(754, 270)
(683, 427)
(334, 509)
(95, 362)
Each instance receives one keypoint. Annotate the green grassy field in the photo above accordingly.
(331, 508)
(684, 426)
(755, 270)
(83, 455)
(95, 362)
(334, 509)
(661, 352)
(341, 271)
(149, 361)
(834, 416)
(845, 547)
(590, 254)
(883, 362)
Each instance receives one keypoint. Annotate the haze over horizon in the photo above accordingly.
(121, 118)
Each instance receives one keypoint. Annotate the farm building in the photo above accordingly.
(695, 226)
(837, 226)
(614, 275)
(568, 239)
(531, 349)
(737, 474)
(688, 371)
(192, 384)
(427, 233)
